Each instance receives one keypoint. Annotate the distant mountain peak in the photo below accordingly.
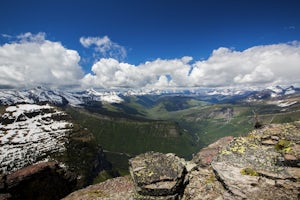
(59, 97)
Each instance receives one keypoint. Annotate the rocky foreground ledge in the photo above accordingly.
(263, 165)
(46, 180)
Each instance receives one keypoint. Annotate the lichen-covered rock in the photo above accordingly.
(158, 175)
(203, 185)
(202, 181)
(262, 165)
(206, 155)
(120, 188)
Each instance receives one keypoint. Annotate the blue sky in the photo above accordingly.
(141, 31)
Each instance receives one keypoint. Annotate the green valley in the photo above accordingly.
(177, 124)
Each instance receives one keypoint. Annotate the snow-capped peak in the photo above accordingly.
(108, 97)
(276, 89)
(77, 98)
(41, 94)
(290, 90)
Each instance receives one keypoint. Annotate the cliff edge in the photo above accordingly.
(265, 164)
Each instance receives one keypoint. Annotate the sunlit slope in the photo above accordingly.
(132, 136)
(176, 124)
(207, 121)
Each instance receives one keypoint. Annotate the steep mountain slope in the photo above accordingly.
(32, 133)
(133, 137)
(123, 138)
(209, 121)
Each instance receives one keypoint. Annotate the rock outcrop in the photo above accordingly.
(33, 133)
(202, 181)
(207, 154)
(45, 180)
(262, 165)
(157, 175)
(30, 133)
(121, 188)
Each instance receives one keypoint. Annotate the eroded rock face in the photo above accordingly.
(202, 182)
(29, 133)
(261, 165)
(40, 181)
(207, 154)
(203, 185)
(157, 174)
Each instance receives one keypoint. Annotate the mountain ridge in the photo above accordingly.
(75, 98)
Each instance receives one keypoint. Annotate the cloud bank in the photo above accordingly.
(159, 73)
(32, 60)
(257, 66)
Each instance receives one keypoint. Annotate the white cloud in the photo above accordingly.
(256, 66)
(6, 35)
(33, 61)
(105, 47)
(259, 65)
(29, 37)
(110, 73)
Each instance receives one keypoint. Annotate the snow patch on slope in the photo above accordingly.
(108, 97)
(30, 132)
(284, 104)
(42, 95)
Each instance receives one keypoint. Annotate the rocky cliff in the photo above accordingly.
(45, 180)
(44, 154)
(265, 164)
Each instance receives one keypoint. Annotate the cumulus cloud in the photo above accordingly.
(104, 46)
(33, 60)
(29, 37)
(110, 73)
(257, 66)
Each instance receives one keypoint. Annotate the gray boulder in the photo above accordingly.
(158, 175)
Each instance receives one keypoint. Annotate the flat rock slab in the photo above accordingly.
(120, 188)
(203, 185)
(206, 155)
(252, 167)
(157, 174)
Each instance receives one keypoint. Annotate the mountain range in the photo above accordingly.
(75, 98)
(93, 133)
